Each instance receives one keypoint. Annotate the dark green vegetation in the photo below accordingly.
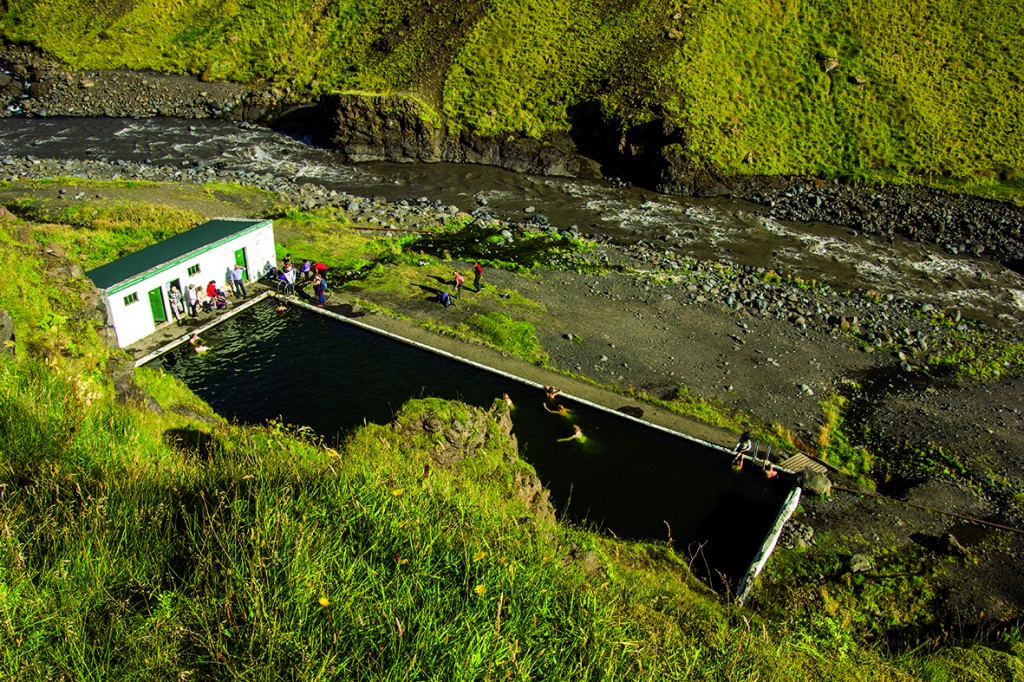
(924, 92)
(166, 543)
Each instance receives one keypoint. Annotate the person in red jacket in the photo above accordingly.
(214, 293)
(478, 276)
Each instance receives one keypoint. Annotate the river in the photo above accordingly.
(718, 229)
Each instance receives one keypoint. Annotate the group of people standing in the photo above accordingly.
(196, 298)
(288, 277)
(460, 281)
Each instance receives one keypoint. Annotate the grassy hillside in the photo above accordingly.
(926, 91)
(151, 539)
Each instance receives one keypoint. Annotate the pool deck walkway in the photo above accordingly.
(800, 461)
(170, 335)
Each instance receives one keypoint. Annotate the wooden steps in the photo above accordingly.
(800, 461)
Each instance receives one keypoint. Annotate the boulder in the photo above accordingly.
(860, 563)
(6, 333)
(814, 482)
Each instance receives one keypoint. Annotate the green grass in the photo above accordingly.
(516, 336)
(980, 356)
(902, 101)
(836, 444)
(107, 230)
(137, 543)
(832, 601)
(145, 544)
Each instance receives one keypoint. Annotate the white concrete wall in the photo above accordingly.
(134, 321)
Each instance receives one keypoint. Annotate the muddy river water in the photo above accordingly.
(719, 229)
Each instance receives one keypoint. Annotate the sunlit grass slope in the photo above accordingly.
(886, 91)
(143, 537)
(851, 88)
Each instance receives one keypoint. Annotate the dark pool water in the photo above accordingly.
(627, 478)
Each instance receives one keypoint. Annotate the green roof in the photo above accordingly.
(134, 266)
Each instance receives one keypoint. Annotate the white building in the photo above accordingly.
(135, 288)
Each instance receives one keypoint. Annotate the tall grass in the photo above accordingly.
(148, 539)
(143, 544)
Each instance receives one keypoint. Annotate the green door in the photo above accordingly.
(240, 260)
(156, 304)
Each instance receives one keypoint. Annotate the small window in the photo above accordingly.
(193, 270)
(131, 298)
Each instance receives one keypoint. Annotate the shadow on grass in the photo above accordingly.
(192, 442)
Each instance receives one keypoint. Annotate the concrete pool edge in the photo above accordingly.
(235, 309)
(764, 553)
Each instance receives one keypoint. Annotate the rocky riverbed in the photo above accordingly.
(33, 86)
(745, 339)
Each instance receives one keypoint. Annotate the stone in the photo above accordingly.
(951, 545)
(859, 563)
(6, 334)
(827, 63)
(814, 482)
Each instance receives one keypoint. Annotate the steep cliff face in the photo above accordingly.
(396, 128)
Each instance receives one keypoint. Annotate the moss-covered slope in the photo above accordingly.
(868, 89)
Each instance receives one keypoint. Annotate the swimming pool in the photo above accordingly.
(626, 478)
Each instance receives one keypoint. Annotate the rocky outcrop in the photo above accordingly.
(374, 128)
(657, 154)
(399, 128)
(453, 440)
(6, 334)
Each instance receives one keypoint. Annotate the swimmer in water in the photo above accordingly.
(559, 409)
(508, 400)
(550, 392)
(769, 469)
(197, 343)
(577, 434)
